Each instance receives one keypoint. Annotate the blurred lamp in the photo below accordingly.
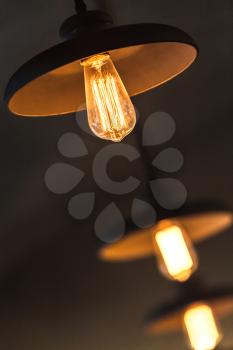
(196, 313)
(171, 239)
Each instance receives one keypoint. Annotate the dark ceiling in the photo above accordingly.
(54, 293)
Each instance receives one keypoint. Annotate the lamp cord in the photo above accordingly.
(80, 6)
(149, 172)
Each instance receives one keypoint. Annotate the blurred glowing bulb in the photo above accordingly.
(201, 327)
(176, 255)
(111, 114)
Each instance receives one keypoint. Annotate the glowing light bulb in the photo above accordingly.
(111, 114)
(200, 325)
(176, 255)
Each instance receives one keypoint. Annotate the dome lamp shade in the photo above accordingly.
(145, 55)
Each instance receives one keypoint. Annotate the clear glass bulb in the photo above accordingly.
(111, 114)
(177, 258)
(201, 327)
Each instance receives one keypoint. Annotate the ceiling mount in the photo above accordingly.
(80, 6)
(84, 21)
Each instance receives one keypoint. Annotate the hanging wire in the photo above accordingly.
(80, 6)
(149, 171)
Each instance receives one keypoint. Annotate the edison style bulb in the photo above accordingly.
(201, 327)
(111, 114)
(176, 255)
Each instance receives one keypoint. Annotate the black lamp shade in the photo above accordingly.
(145, 55)
(200, 220)
(168, 318)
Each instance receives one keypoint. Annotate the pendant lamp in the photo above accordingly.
(97, 67)
(171, 239)
(196, 312)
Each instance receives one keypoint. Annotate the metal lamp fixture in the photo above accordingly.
(195, 312)
(98, 67)
(171, 239)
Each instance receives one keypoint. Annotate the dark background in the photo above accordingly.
(54, 293)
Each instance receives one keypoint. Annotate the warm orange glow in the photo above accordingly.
(201, 327)
(177, 257)
(111, 114)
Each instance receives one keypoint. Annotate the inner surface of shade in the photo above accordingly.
(172, 322)
(141, 67)
(138, 244)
